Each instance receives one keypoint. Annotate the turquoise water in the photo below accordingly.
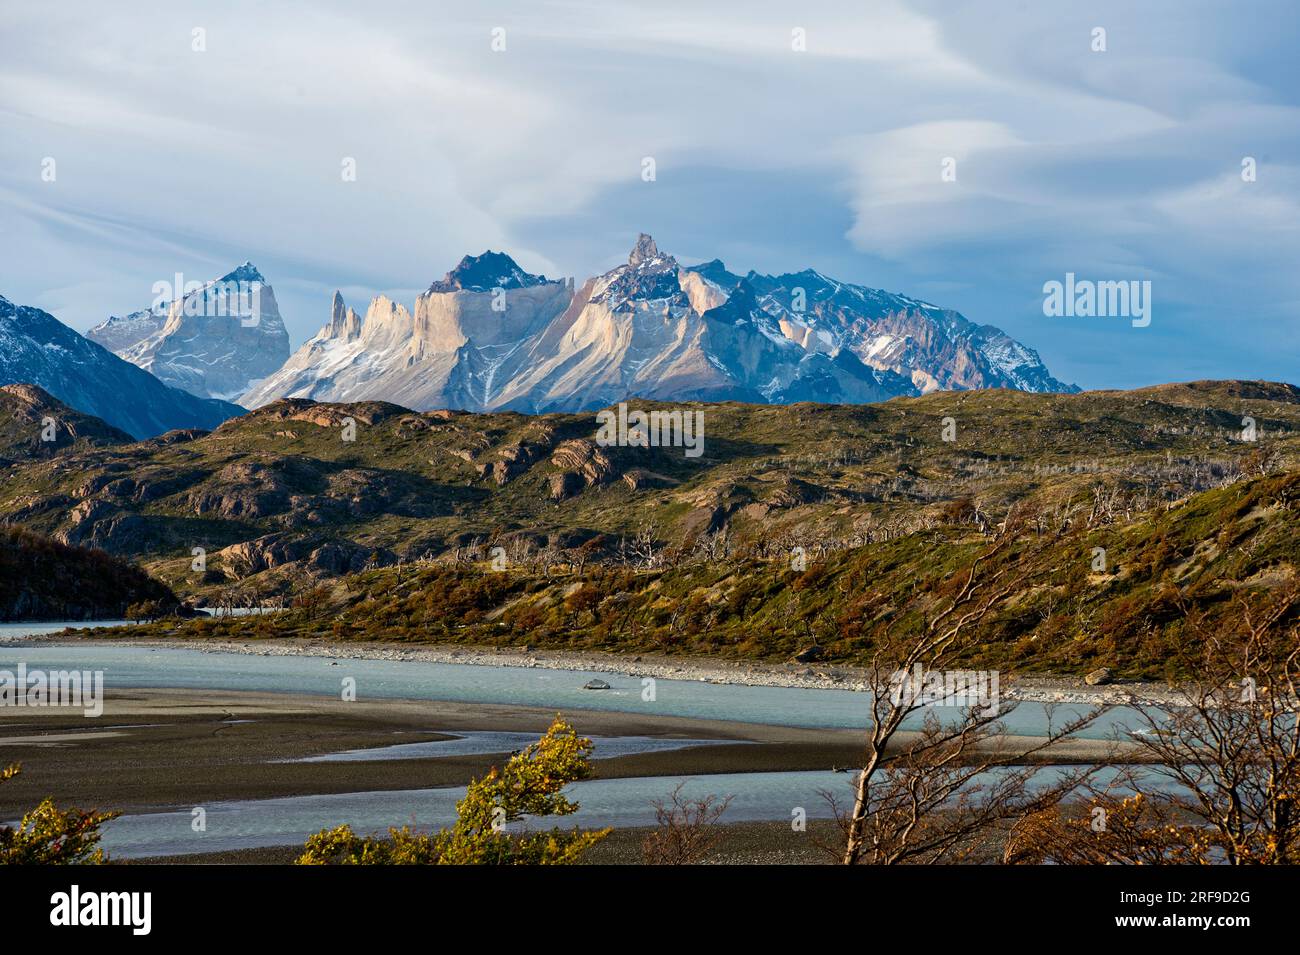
(559, 690)
(604, 802)
(17, 631)
(484, 742)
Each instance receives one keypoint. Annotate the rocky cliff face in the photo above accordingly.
(445, 354)
(36, 348)
(216, 341)
(655, 330)
(491, 336)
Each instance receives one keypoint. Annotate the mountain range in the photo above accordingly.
(491, 336)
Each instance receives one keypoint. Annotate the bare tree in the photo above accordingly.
(549, 557)
(644, 548)
(686, 830)
(1224, 779)
(928, 795)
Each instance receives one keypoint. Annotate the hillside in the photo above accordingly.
(41, 579)
(34, 424)
(1213, 553)
(279, 499)
(37, 349)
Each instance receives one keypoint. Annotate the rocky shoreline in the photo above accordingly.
(813, 676)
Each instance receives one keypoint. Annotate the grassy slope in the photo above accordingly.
(809, 472)
(24, 411)
(1064, 618)
(888, 514)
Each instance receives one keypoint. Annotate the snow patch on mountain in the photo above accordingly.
(491, 336)
(38, 349)
(214, 340)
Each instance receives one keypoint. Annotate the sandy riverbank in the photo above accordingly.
(174, 747)
(167, 748)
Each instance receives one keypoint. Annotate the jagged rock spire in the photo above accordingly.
(644, 251)
(344, 321)
(338, 312)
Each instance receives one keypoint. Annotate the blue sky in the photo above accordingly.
(1115, 165)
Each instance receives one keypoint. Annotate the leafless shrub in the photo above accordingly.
(1228, 751)
(686, 829)
(928, 796)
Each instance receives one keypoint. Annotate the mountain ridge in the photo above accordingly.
(491, 336)
(279, 497)
(37, 349)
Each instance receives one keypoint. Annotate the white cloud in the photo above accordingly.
(171, 159)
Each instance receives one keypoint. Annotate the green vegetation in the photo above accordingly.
(51, 836)
(1065, 615)
(804, 529)
(530, 784)
(42, 579)
(278, 500)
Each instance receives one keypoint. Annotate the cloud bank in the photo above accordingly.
(962, 153)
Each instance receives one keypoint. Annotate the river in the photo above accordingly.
(618, 802)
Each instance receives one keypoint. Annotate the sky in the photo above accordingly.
(961, 153)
